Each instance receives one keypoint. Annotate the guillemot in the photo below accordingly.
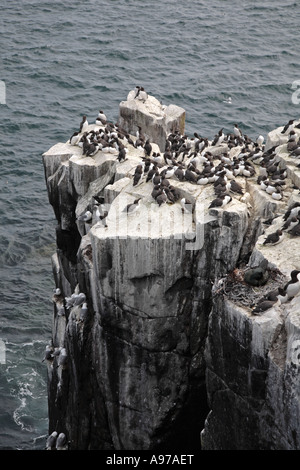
(84, 124)
(101, 118)
(131, 208)
(274, 238)
(293, 286)
(218, 138)
(265, 305)
(288, 127)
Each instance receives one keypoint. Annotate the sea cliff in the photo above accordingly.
(163, 349)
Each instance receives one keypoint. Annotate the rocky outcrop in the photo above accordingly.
(253, 361)
(158, 346)
(155, 119)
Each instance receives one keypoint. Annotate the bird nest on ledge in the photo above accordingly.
(234, 287)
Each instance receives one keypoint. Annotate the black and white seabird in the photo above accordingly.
(84, 124)
(137, 91)
(274, 238)
(48, 353)
(122, 154)
(74, 139)
(83, 312)
(101, 118)
(257, 276)
(293, 210)
(295, 231)
(156, 191)
(265, 305)
(290, 223)
(237, 131)
(260, 140)
(139, 134)
(219, 138)
(293, 286)
(190, 176)
(220, 201)
(236, 187)
(148, 148)
(161, 198)
(86, 217)
(288, 127)
(142, 95)
(61, 442)
(138, 175)
(179, 173)
(131, 208)
(62, 358)
(51, 440)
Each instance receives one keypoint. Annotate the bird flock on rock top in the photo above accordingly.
(220, 162)
(192, 160)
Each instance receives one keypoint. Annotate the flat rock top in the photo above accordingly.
(152, 107)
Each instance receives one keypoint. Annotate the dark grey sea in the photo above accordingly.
(62, 59)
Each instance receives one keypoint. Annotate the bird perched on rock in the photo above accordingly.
(275, 294)
(179, 173)
(101, 118)
(288, 127)
(274, 238)
(148, 148)
(220, 201)
(237, 131)
(187, 205)
(86, 217)
(219, 138)
(84, 124)
(236, 187)
(122, 154)
(264, 305)
(290, 223)
(156, 191)
(175, 192)
(258, 275)
(293, 210)
(74, 300)
(62, 358)
(293, 286)
(142, 95)
(138, 174)
(161, 198)
(260, 140)
(295, 231)
(190, 176)
(74, 139)
(83, 312)
(48, 353)
(61, 442)
(131, 208)
(51, 440)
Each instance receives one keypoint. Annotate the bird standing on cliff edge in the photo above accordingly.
(84, 124)
(131, 208)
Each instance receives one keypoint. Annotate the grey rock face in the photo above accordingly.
(160, 347)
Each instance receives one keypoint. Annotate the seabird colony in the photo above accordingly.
(196, 161)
